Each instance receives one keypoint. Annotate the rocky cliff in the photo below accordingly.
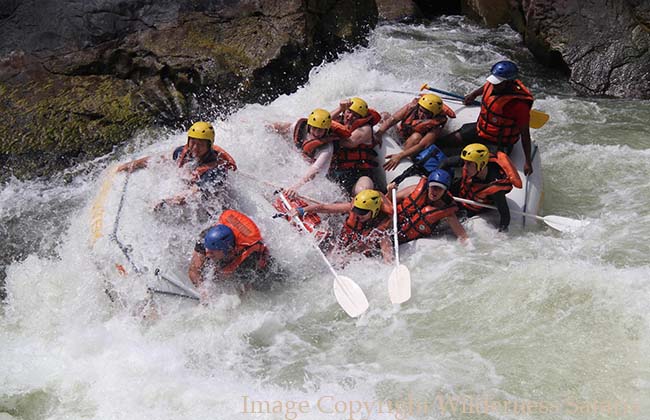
(77, 78)
(604, 45)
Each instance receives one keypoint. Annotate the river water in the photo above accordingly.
(535, 325)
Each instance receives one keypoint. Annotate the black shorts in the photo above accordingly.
(468, 135)
(347, 178)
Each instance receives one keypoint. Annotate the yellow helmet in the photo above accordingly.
(359, 106)
(431, 103)
(368, 200)
(477, 153)
(201, 130)
(320, 118)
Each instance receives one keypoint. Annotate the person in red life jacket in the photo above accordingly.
(315, 137)
(355, 160)
(231, 253)
(420, 124)
(504, 117)
(486, 178)
(423, 207)
(367, 227)
(208, 164)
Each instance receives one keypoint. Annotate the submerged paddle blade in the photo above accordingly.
(399, 284)
(565, 224)
(538, 118)
(350, 296)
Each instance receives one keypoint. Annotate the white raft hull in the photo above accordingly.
(526, 199)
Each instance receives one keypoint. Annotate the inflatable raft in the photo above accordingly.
(526, 199)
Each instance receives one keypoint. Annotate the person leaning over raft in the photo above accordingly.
(208, 164)
(315, 137)
(231, 253)
(504, 117)
(486, 179)
(355, 163)
(420, 124)
(367, 227)
(423, 207)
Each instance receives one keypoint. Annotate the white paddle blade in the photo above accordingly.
(350, 296)
(399, 284)
(565, 224)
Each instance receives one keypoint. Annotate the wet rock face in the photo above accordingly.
(604, 44)
(79, 77)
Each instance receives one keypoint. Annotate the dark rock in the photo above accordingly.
(398, 10)
(604, 45)
(78, 78)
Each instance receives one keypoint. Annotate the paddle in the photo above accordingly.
(399, 281)
(166, 293)
(537, 118)
(563, 224)
(348, 294)
(190, 291)
(276, 187)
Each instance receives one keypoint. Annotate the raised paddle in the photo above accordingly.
(399, 282)
(537, 118)
(563, 224)
(348, 294)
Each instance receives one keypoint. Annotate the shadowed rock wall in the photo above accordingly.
(604, 45)
(79, 77)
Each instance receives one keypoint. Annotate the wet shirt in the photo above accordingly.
(210, 180)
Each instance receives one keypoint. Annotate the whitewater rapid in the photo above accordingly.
(537, 324)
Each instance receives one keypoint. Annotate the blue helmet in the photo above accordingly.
(219, 238)
(503, 70)
(440, 178)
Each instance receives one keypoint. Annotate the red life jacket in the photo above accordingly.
(410, 124)
(478, 191)
(309, 146)
(365, 238)
(223, 159)
(493, 124)
(416, 218)
(311, 221)
(248, 241)
(363, 156)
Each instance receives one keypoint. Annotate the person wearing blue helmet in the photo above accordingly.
(231, 251)
(504, 117)
(423, 207)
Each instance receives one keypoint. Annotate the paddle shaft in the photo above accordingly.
(489, 206)
(395, 228)
(166, 293)
(275, 186)
(453, 95)
(302, 226)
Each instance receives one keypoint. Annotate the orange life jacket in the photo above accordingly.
(365, 238)
(248, 241)
(308, 146)
(493, 124)
(410, 124)
(478, 191)
(223, 160)
(363, 156)
(416, 218)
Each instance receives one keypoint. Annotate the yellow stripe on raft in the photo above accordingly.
(97, 211)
